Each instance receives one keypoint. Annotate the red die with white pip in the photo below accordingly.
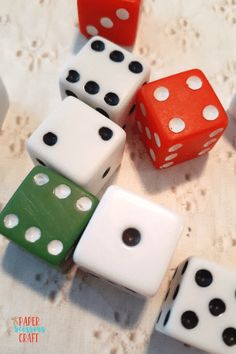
(179, 118)
(114, 20)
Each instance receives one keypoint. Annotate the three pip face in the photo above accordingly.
(114, 20)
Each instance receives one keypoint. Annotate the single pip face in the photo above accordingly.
(129, 241)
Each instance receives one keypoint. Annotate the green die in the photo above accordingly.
(47, 215)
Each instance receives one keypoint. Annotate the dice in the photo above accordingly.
(129, 241)
(79, 143)
(4, 102)
(47, 215)
(115, 20)
(106, 77)
(179, 118)
(200, 307)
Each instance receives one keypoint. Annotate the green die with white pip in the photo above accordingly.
(47, 215)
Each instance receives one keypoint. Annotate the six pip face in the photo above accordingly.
(106, 77)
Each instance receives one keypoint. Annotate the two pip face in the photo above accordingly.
(79, 143)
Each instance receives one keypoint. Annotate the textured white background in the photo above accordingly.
(81, 314)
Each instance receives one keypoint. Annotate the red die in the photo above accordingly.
(114, 20)
(179, 118)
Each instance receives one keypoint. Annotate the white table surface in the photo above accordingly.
(82, 315)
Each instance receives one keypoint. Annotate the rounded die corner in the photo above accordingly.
(150, 293)
(113, 188)
(197, 71)
(75, 256)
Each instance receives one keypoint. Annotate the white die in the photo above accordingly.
(79, 143)
(106, 85)
(129, 241)
(200, 307)
(4, 102)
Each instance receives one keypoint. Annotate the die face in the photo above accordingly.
(47, 215)
(106, 77)
(114, 20)
(170, 297)
(4, 102)
(133, 248)
(203, 311)
(79, 143)
(179, 117)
